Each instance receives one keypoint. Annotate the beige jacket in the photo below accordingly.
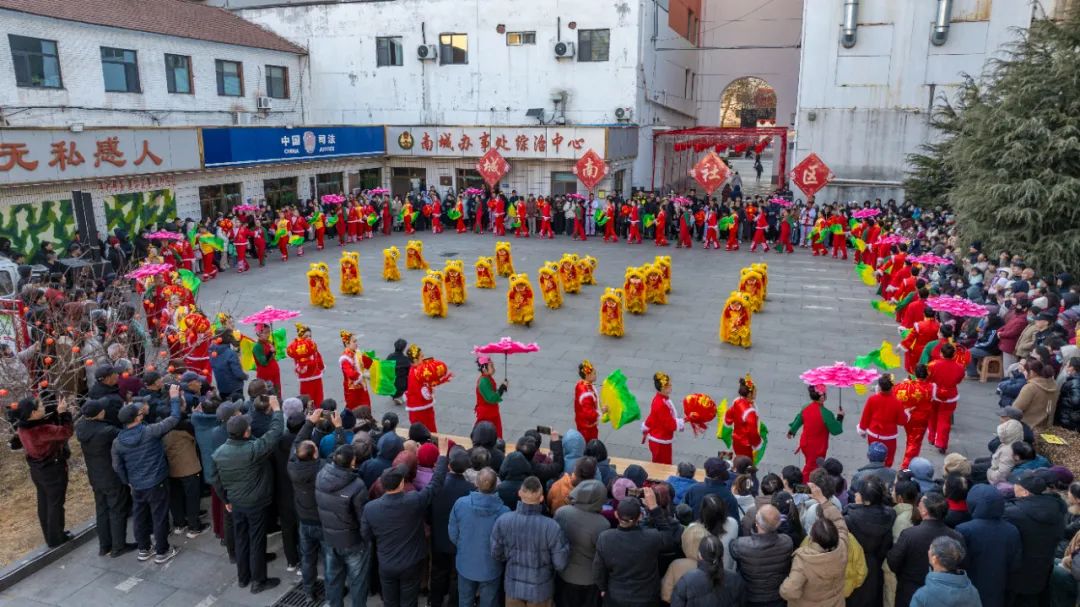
(1002, 462)
(817, 577)
(1038, 399)
(181, 453)
(691, 542)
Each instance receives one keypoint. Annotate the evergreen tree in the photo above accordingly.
(930, 176)
(1015, 159)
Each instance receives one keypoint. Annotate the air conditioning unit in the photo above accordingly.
(624, 114)
(564, 50)
(263, 103)
(427, 52)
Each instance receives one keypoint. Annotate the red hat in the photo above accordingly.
(427, 455)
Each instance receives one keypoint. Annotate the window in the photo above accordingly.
(214, 199)
(691, 27)
(388, 51)
(277, 82)
(230, 78)
(328, 183)
(563, 183)
(37, 62)
(121, 70)
(593, 45)
(280, 192)
(178, 76)
(520, 38)
(453, 49)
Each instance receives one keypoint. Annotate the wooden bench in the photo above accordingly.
(991, 367)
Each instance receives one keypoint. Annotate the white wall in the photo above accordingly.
(83, 97)
(871, 103)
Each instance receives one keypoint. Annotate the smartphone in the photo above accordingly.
(544, 430)
(635, 492)
(801, 488)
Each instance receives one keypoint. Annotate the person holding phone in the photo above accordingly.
(44, 438)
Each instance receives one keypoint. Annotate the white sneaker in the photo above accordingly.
(161, 559)
(179, 530)
(291, 567)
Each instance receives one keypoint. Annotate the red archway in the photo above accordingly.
(680, 149)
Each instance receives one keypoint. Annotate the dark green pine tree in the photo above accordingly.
(1015, 159)
(929, 176)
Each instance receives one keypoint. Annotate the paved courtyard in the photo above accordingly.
(817, 313)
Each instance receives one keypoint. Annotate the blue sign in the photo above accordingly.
(259, 145)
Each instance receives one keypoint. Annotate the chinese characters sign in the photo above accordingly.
(811, 175)
(256, 145)
(492, 166)
(511, 142)
(590, 169)
(710, 172)
(37, 156)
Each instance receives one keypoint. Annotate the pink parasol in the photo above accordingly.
(246, 208)
(378, 191)
(473, 191)
(841, 375)
(682, 200)
(892, 239)
(575, 196)
(148, 270)
(866, 213)
(506, 347)
(930, 260)
(333, 199)
(957, 306)
(781, 202)
(269, 315)
(164, 235)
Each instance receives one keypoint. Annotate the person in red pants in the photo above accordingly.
(839, 237)
(882, 417)
(239, 236)
(686, 219)
(634, 233)
(318, 222)
(742, 419)
(712, 229)
(733, 233)
(760, 227)
(266, 366)
(499, 217)
(258, 238)
(352, 373)
(387, 218)
(945, 375)
(309, 364)
(661, 228)
(341, 224)
(817, 423)
(488, 395)
(419, 395)
(785, 233)
(659, 428)
(355, 221)
(586, 402)
(915, 396)
(281, 232)
(609, 225)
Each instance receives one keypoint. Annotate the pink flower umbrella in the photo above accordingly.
(682, 200)
(892, 239)
(378, 191)
(473, 191)
(506, 347)
(269, 315)
(841, 375)
(148, 270)
(164, 235)
(957, 306)
(781, 202)
(866, 213)
(246, 208)
(930, 260)
(333, 199)
(575, 196)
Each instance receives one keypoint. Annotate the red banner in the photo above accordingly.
(710, 172)
(492, 166)
(590, 169)
(811, 175)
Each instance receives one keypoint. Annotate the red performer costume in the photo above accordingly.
(586, 402)
(197, 337)
(419, 395)
(545, 219)
(579, 221)
(882, 416)
(387, 219)
(609, 226)
(945, 375)
(712, 229)
(309, 364)
(406, 215)
(258, 238)
(240, 235)
(478, 217)
(635, 225)
(187, 255)
(460, 208)
(916, 396)
(661, 228)
(659, 428)
(912, 313)
(817, 424)
(733, 233)
(785, 235)
(318, 221)
(281, 231)
(685, 218)
(354, 223)
(499, 215)
(924, 332)
(436, 216)
(298, 227)
(839, 238)
(342, 224)
(870, 253)
(266, 366)
(488, 395)
(522, 230)
(760, 226)
(352, 372)
(743, 420)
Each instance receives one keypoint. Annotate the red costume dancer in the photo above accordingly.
(609, 226)
(914, 311)
(545, 219)
(499, 217)
(924, 332)
(712, 229)
(579, 220)
(685, 218)
(187, 255)
(945, 374)
(522, 230)
(318, 221)
(298, 227)
(387, 219)
(742, 419)
(785, 234)
(839, 238)
(870, 253)
(355, 223)
(342, 224)
(915, 395)
(488, 395)
(661, 228)
(419, 395)
(478, 217)
(209, 266)
(733, 233)
(586, 402)
(635, 225)
(460, 208)
(436, 216)
(817, 424)
(760, 226)
(659, 428)
(352, 372)
(197, 337)
(882, 416)
(309, 364)
(406, 217)
(240, 235)
(266, 367)
(281, 232)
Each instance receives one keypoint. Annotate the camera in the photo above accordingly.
(546, 430)
(801, 488)
(635, 492)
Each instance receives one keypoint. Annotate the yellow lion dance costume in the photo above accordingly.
(431, 294)
(414, 255)
(504, 261)
(586, 266)
(519, 300)
(634, 291)
(454, 281)
(735, 320)
(611, 313)
(751, 283)
(549, 285)
(319, 285)
(350, 274)
(763, 269)
(654, 284)
(390, 271)
(569, 274)
(485, 273)
(664, 261)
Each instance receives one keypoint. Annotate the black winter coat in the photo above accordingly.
(340, 495)
(396, 522)
(454, 487)
(1067, 414)
(303, 474)
(1040, 519)
(514, 470)
(872, 526)
(96, 438)
(695, 589)
(110, 395)
(908, 557)
(624, 565)
(764, 561)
